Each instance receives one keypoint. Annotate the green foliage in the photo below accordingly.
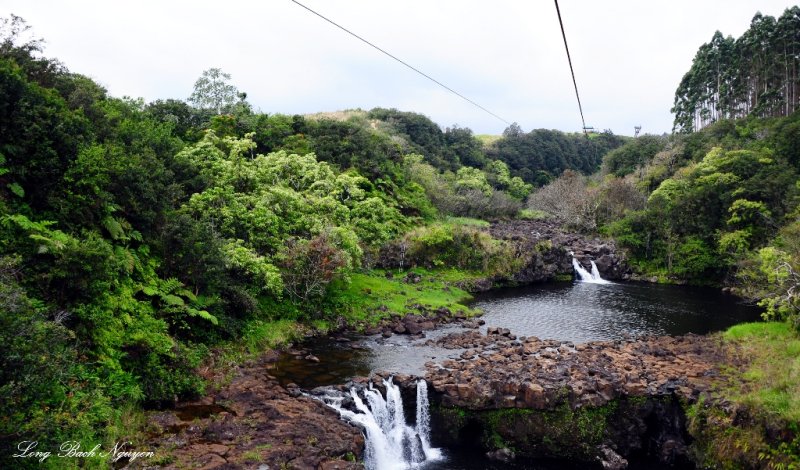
(725, 205)
(765, 392)
(44, 390)
(420, 135)
(755, 74)
(634, 153)
(39, 135)
(466, 193)
(459, 246)
(371, 297)
(693, 258)
(539, 155)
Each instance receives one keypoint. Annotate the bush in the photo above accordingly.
(570, 200)
(309, 266)
(45, 392)
(455, 245)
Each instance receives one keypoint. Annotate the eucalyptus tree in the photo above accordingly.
(213, 90)
(755, 74)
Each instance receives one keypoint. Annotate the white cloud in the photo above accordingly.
(506, 55)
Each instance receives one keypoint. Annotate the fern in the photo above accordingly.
(14, 187)
(172, 300)
(125, 258)
(202, 314)
(170, 285)
(113, 227)
(150, 291)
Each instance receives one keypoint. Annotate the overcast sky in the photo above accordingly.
(506, 55)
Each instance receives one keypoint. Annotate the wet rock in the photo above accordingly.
(264, 419)
(544, 248)
(340, 465)
(611, 460)
(443, 312)
(413, 328)
(504, 455)
(648, 379)
(480, 285)
(372, 331)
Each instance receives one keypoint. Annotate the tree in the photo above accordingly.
(569, 200)
(214, 91)
(13, 33)
(756, 74)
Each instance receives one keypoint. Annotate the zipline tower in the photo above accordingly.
(636, 130)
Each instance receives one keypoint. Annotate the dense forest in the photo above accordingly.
(756, 74)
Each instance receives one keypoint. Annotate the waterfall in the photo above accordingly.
(391, 444)
(423, 416)
(586, 276)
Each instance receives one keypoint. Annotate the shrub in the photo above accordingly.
(309, 266)
(452, 245)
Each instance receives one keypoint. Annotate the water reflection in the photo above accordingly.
(582, 312)
(353, 355)
(577, 312)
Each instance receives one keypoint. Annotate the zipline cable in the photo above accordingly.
(405, 63)
(572, 71)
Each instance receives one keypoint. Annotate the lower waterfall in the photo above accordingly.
(391, 444)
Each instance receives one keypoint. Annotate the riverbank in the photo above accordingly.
(595, 402)
(252, 422)
(752, 419)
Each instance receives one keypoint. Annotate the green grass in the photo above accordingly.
(532, 214)
(371, 297)
(772, 379)
(467, 221)
(257, 337)
(763, 432)
(261, 335)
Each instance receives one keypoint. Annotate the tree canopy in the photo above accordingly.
(755, 74)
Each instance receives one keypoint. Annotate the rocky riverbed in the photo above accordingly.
(254, 423)
(498, 370)
(600, 402)
(548, 250)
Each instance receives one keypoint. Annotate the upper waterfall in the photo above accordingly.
(586, 276)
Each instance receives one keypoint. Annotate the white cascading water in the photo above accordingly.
(586, 276)
(391, 444)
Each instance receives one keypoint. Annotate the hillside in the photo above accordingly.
(139, 240)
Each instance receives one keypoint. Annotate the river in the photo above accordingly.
(566, 311)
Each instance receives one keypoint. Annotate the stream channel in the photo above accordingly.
(566, 311)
